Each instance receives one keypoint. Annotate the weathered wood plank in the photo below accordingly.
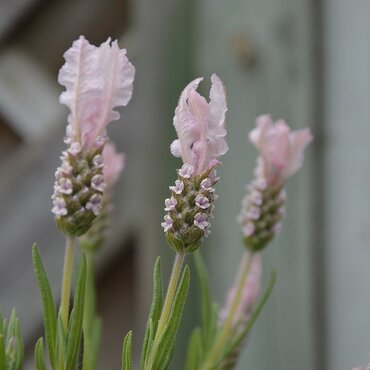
(277, 35)
(347, 160)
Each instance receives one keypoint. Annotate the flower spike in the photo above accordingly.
(200, 125)
(97, 80)
(281, 156)
(200, 128)
(113, 165)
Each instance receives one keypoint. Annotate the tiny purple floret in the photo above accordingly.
(200, 220)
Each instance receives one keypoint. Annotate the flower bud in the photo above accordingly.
(189, 209)
(261, 214)
(78, 189)
(281, 156)
(95, 237)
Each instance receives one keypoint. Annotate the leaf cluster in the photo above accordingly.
(64, 346)
(203, 338)
(11, 344)
(158, 348)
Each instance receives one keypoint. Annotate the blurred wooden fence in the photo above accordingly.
(305, 61)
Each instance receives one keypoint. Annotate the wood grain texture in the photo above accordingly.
(263, 52)
(347, 160)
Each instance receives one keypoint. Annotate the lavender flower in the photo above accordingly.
(113, 164)
(281, 156)
(200, 127)
(97, 79)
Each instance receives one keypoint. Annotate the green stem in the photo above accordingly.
(66, 282)
(166, 309)
(89, 314)
(224, 334)
(171, 291)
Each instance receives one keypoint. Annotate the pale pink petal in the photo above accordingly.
(200, 125)
(276, 146)
(187, 127)
(281, 149)
(218, 107)
(114, 164)
(97, 79)
(263, 123)
(176, 148)
(299, 141)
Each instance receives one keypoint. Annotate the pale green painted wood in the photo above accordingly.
(280, 83)
(347, 164)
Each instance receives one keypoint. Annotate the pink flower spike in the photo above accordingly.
(281, 149)
(97, 79)
(200, 125)
(114, 164)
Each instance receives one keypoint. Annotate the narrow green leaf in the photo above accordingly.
(155, 312)
(261, 304)
(75, 324)
(95, 342)
(60, 345)
(39, 355)
(149, 344)
(89, 352)
(194, 353)
(164, 349)
(20, 347)
(2, 353)
(49, 311)
(91, 344)
(205, 299)
(127, 352)
(11, 326)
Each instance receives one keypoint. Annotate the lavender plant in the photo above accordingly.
(96, 81)
(217, 345)
(200, 126)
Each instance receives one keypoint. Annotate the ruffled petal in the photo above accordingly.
(114, 164)
(299, 141)
(176, 148)
(281, 149)
(200, 125)
(187, 126)
(263, 123)
(216, 129)
(97, 79)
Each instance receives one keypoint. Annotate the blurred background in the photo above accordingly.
(307, 61)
